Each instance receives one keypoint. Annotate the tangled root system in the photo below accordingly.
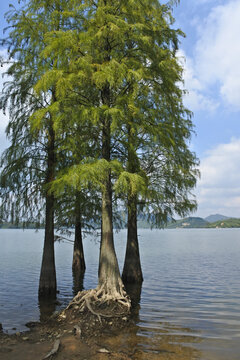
(101, 303)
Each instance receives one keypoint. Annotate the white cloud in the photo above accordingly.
(212, 74)
(218, 52)
(218, 190)
(195, 99)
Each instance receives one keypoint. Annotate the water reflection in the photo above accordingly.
(134, 291)
(46, 308)
(138, 342)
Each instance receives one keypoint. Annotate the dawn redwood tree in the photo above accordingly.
(132, 270)
(95, 61)
(158, 132)
(171, 176)
(28, 164)
(25, 41)
(118, 61)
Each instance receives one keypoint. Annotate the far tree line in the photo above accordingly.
(97, 123)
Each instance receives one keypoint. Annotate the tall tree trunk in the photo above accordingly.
(109, 275)
(134, 291)
(48, 283)
(78, 264)
(132, 271)
(77, 282)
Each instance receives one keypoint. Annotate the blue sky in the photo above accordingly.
(210, 54)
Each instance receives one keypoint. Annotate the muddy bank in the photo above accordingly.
(77, 339)
(86, 337)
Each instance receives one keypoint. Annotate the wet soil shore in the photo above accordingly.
(87, 337)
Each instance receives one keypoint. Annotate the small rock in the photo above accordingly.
(110, 322)
(62, 316)
(77, 331)
(103, 351)
(124, 318)
(25, 338)
(31, 324)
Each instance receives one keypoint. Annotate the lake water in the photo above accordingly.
(191, 289)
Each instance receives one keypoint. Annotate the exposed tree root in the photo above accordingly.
(54, 350)
(101, 303)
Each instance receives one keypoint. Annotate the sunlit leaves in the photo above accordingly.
(108, 67)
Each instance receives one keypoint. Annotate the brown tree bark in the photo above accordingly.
(78, 264)
(109, 274)
(132, 270)
(48, 283)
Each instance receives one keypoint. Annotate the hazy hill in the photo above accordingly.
(143, 223)
(189, 222)
(228, 223)
(215, 217)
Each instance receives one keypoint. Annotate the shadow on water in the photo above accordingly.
(46, 308)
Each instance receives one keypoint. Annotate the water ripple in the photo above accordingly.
(191, 282)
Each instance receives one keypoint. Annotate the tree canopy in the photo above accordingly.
(104, 90)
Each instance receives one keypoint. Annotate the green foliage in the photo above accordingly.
(130, 183)
(106, 77)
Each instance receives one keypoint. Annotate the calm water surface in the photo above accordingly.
(191, 286)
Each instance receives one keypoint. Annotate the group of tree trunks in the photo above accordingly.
(96, 123)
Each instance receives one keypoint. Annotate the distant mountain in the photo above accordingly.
(215, 217)
(145, 223)
(197, 222)
(187, 223)
(228, 223)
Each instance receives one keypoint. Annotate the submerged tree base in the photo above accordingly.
(46, 293)
(99, 303)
